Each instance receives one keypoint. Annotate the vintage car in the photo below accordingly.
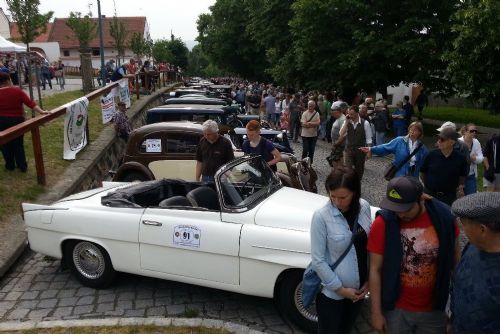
(168, 150)
(225, 115)
(184, 91)
(245, 233)
(197, 100)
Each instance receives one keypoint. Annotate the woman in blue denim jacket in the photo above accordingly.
(345, 288)
(401, 147)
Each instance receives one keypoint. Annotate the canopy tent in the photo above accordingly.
(7, 46)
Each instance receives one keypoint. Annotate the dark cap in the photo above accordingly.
(121, 103)
(402, 194)
(483, 207)
(448, 133)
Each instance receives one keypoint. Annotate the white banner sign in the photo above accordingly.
(75, 122)
(108, 108)
(124, 92)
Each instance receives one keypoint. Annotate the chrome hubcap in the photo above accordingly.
(88, 260)
(310, 312)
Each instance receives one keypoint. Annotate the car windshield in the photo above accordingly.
(246, 184)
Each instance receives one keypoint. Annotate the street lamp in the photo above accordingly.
(101, 45)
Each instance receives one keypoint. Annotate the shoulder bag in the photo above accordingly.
(311, 283)
(392, 169)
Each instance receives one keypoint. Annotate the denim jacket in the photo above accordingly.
(399, 147)
(330, 236)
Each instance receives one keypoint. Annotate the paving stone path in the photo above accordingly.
(37, 288)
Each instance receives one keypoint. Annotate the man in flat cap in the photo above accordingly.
(475, 299)
(444, 169)
(412, 245)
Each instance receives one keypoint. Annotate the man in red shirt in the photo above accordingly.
(412, 254)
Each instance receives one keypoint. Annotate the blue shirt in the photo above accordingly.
(475, 298)
(400, 148)
(330, 236)
(399, 123)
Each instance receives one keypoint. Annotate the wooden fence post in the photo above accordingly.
(37, 152)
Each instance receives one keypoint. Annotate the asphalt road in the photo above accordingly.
(37, 288)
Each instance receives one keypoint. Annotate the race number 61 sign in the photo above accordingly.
(185, 235)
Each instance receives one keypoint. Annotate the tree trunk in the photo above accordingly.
(87, 72)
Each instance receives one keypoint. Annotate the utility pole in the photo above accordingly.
(101, 45)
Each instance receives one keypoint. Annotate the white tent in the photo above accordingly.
(7, 46)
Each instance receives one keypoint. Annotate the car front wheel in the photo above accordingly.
(90, 263)
(290, 303)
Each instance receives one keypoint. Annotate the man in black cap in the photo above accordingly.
(412, 251)
(475, 299)
(444, 169)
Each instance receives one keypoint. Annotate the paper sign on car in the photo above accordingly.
(186, 235)
(153, 145)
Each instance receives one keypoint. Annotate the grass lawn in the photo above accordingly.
(463, 115)
(17, 187)
(124, 330)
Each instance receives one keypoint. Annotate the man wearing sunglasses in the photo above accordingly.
(444, 170)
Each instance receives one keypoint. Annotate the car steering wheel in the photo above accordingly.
(252, 190)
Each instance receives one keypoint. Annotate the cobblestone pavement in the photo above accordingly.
(37, 288)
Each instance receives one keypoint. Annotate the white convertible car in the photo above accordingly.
(246, 233)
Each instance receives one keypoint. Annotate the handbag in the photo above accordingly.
(489, 174)
(391, 170)
(311, 283)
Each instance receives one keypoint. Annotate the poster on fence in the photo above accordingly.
(124, 92)
(75, 123)
(107, 108)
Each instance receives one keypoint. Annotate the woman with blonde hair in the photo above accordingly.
(402, 147)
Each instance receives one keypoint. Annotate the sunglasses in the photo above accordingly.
(442, 139)
(473, 131)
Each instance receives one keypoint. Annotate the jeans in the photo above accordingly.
(294, 128)
(322, 129)
(470, 186)
(379, 138)
(403, 322)
(46, 78)
(336, 316)
(308, 147)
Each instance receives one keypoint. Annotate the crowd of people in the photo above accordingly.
(409, 257)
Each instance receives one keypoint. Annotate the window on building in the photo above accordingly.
(96, 52)
(66, 53)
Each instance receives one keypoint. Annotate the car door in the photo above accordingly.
(180, 148)
(190, 243)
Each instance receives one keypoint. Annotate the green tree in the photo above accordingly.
(84, 30)
(224, 38)
(474, 58)
(30, 23)
(161, 51)
(197, 62)
(353, 44)
(179, 52)
(138, 44)
(119, 33)
(269, 27)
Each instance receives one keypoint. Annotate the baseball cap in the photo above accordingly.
(447, 125)
(483, 207)
(402, 194)
(448, 133)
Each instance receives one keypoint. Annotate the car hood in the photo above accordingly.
(289, 208)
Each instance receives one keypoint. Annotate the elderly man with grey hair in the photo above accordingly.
(213, 151)
(475, 298)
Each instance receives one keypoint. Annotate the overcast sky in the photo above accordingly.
(177, 15)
